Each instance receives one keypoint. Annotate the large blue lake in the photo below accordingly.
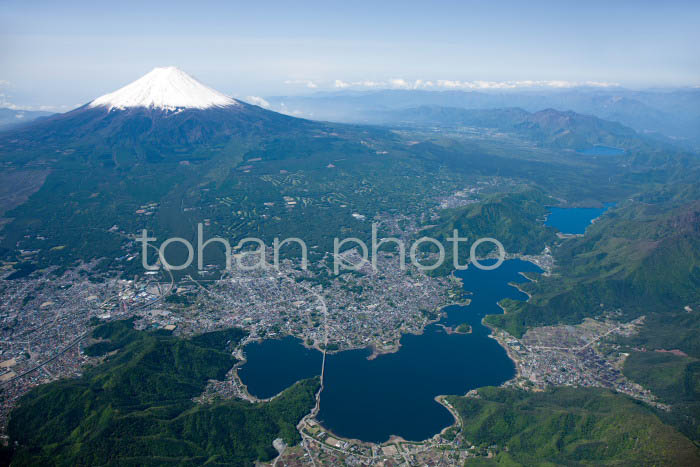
(394, 394)
(574, 220)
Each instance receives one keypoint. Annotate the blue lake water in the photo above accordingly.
(602, 151)
(393, 394)
(275, 364)
(574, 220)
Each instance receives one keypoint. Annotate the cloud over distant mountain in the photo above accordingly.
(401, 83)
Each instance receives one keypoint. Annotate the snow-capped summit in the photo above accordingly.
(167, 88)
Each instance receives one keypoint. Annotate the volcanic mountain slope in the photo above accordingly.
(169, 142)
(166, 109)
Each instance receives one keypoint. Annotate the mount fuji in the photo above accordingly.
(164, 111)
(168, 140)
(167, 88)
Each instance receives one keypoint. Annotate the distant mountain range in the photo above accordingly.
(672, 114)
(547, 127)
(171, 111)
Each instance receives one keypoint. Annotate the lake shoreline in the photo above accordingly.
(360, 398)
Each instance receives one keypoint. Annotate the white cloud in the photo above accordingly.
(446, 83)
(7, 104)
(306, 82)
(456, 84)
(257, 100)
(601, 84)
(340, 84)
(420, 84)
(401, 83)
(369, 84)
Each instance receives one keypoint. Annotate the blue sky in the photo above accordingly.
(66, 53)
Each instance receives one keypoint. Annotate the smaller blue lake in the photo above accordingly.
(602, 151)
(574, 220)
(275, 364)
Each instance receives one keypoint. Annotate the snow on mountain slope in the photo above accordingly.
(166, 88)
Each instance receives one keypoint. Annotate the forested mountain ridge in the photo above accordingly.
(136, 407)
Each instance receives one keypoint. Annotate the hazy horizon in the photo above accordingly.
(62, 56)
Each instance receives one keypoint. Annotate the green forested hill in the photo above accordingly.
(546, 127)
(641, 259)
(638, 259)
(515, 219)
(675, 379)
(136, 408)
(569, 426)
